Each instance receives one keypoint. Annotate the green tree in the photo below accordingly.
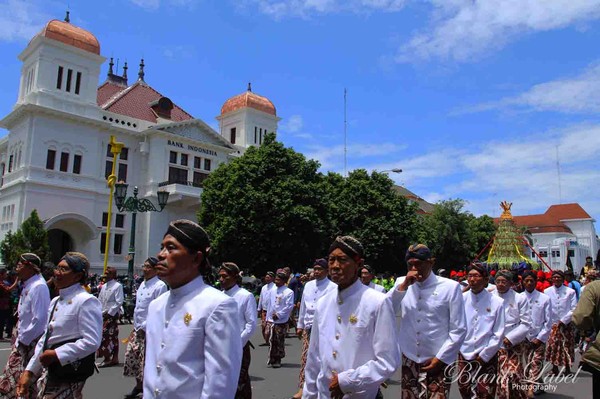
(482, 231)
(264, 210)
(30, 237)
(368, 208)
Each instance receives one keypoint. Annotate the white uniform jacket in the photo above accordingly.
(486, 327)
(517, 318)
(148, 291)
(193, 345)
(540, 308)
(246, 311)
(377, 287)
(563, 301)
(313, 291)
(281, 302)
(77, 316)
(354, 336)
(432, 319)
(111, 297)
(33, 309)
(263, 299)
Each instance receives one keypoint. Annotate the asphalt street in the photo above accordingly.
(268, 383)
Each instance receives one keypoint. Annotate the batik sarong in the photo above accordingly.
(134, 355)
(109, 347)
(17, 361)
(266, 327)
(510, 374)
(58, 390)
(277, 343)
(417, 384)
(305, 344)
(244, 389)
(533, 361)
(475, 380)
(560, 350)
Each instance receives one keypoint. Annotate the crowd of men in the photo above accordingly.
(492, 339)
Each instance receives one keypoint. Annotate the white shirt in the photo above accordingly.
(377, 287)
(263, 300)
(77, 316)
(193, 345)
(281, 302)
(432, 319)
(148, 291)
(353, 335)
(563, 301)
(33, 309)
(540, 308)
(246, 311)
(486, 328)
(517, 318)
(313, 291)
(111, 297)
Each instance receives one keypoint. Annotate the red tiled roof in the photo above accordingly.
(551, 220)
(134, 101)
(568, 211)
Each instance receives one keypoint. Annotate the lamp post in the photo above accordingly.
(134, 205)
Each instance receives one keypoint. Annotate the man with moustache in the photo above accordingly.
(478, 356)
(193, 345)
(34, 304)
(432, 325)
(150, 289)
(537, 336)
(353, 346)
(561, 343)
(263, 304)
(111, 297)
(229, 277)
(517, 323)
(367, 274)
(313, 291)
(281, 304)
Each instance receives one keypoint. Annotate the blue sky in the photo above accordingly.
(472, 99)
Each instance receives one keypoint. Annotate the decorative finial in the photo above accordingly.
(110, 66)
(125, 70)
(505, 205)
(249, 86)
(141, 73)
(67, 18)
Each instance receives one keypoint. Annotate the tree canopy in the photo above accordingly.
(30, 237)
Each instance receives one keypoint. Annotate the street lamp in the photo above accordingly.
(134, 205)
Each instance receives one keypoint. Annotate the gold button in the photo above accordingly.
(334, 354)
(339, 319)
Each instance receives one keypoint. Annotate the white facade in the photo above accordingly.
(55, 159)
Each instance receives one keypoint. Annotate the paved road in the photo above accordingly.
(270, 383)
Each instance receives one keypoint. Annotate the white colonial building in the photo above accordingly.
(56, 158)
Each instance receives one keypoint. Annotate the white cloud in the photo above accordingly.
(20, 20)
(332, 157)
(278, 9)
(463, 29)
(293, 124)
(579, 94)
(155, 4)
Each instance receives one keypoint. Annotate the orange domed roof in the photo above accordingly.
(72, 35)
(248, 99)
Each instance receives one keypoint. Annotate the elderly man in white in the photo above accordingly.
(367, 274)
(478, 356)
(229, 277)
(560, 350)
(33, 309)
(279, 310)
(150, 289)
(193, 345)
(432, 325)
(263, 304)
(313, 291)
(111, 297)
(517, 323)
(353, 345)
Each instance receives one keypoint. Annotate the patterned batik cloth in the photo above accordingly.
(134, 355)
(510, 374)
(58, 390)
(560, 350)
(266, 329)
(305, 344)
(244, 389)
(477, 381)
(277, 343)
(419, 385)
(109, 347)
(533, 361)
(17, 361)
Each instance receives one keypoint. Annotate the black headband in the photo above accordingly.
(190, 235)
